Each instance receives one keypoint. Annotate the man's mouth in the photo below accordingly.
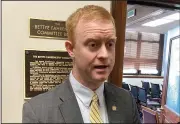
(101, 66)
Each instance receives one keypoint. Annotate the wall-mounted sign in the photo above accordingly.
(131, 13)
(44, 70)
(48, 29)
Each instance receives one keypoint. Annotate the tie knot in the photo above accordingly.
(95, 97)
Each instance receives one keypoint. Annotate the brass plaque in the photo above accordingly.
(48, 29)
(44, 70)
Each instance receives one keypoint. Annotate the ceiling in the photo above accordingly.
(147, 13)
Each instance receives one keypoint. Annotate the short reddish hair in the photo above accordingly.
(88, 12)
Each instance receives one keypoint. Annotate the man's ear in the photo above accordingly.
(69, 48)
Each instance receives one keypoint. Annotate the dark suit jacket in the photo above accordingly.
(60, 106)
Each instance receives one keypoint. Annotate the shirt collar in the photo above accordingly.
(84, 93)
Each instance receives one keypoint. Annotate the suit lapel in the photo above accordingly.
(114, 109)
(68, 106)
(70, 110)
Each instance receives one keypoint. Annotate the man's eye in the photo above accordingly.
(111, 44)
(92, 45)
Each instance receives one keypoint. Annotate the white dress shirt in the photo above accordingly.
(84, 96)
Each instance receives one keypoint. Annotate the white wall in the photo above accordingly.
(15, 40)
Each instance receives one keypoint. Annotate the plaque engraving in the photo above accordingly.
(48, 29)
(44, 70)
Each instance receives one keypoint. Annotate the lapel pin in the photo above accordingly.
(114, 108)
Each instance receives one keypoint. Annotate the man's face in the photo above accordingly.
(94, 50)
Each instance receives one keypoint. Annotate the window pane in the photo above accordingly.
(150, 36)
(129, 65)
(131, 35)
(147, 65)
(142, 54)
(149, 50)
(149, 71)
(130, 50)
(128, 71)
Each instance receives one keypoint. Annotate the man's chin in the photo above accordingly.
(100, 79)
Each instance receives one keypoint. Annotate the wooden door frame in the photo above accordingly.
(118, 11)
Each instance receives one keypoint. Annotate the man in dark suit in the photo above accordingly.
(84, 97)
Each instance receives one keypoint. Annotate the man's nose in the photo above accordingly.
(103, 52)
